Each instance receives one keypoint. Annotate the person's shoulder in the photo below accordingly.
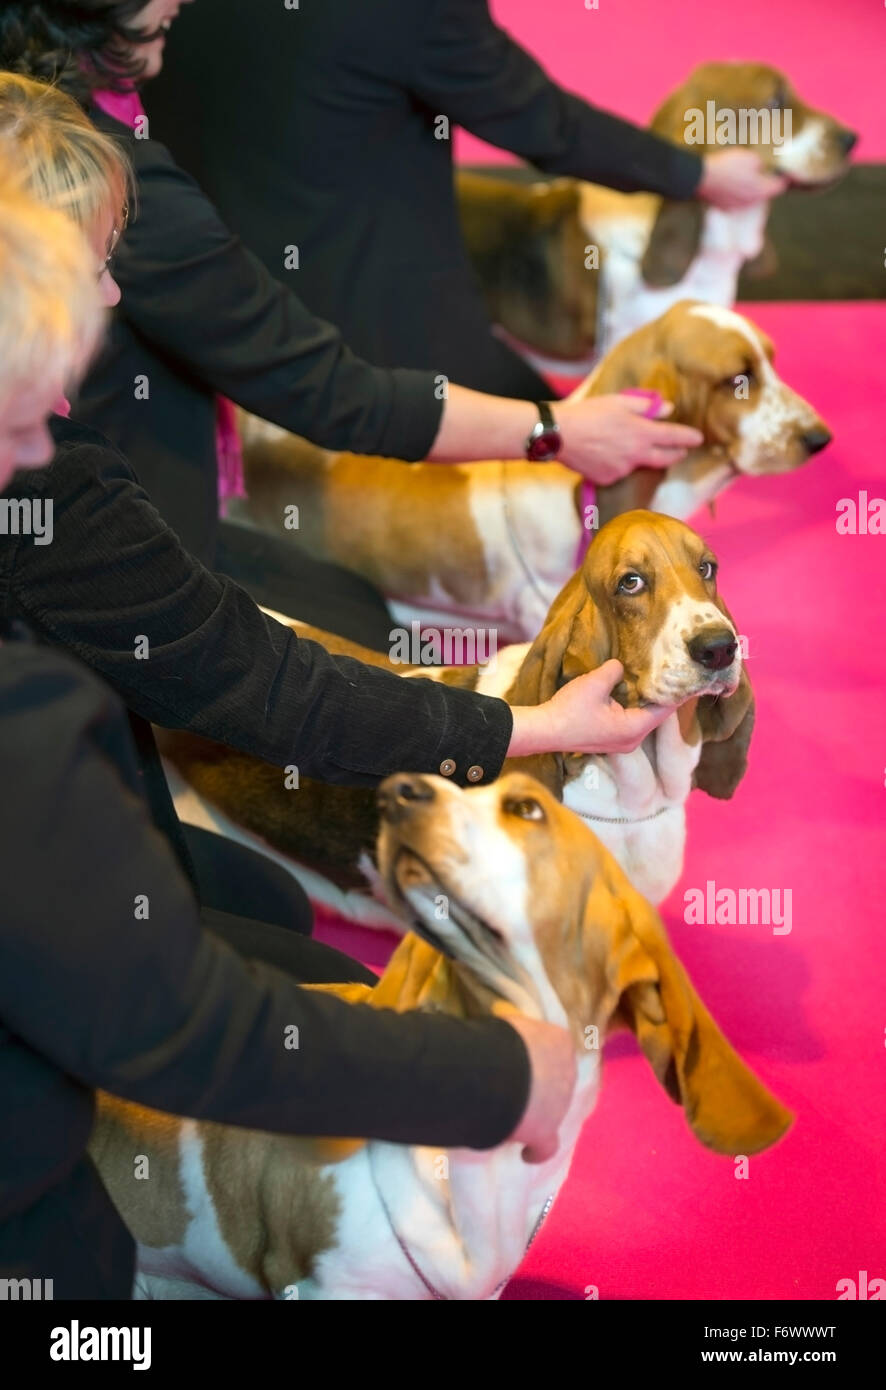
(173, 216)
(45, 691)
(69, 433)
(76, 443)
(144, 152)
(158, 175)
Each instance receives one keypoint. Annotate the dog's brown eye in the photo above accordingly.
(631, 583)
(526, 807)
(708, 569)
(740, 382)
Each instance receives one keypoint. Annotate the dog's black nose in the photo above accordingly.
(847, 140)
(397, 796)
(815, 439)
(714, 648)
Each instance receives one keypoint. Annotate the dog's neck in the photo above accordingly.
(479, 1209)
(728, 241)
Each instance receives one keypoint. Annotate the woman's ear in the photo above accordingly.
(673, 244)
(728, 1108)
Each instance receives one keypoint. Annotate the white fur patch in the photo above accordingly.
(635, 804)
(802, 153)
(673, 675)
(779, 414)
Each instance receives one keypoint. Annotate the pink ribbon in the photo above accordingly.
(127, 108)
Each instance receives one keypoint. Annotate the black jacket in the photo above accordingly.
(319, 128)
(115, 572)
(158, 1011)
(200, 315)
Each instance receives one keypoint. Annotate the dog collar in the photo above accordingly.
(627, 820)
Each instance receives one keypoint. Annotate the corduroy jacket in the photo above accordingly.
(95, 995)
(189, 649)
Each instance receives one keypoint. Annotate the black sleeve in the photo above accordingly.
(193, 291)
(106, 971)
(190, 649)
(472, 71)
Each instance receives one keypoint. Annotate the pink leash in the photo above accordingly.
(127, 108)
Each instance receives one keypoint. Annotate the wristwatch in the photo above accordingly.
(545, 442)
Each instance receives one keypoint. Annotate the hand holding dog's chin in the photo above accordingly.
(607, 437)
(552, 1081)
(735, 178)
(584, 718)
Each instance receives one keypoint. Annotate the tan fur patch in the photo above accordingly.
(276, 1211)
(153, 1207)
(365, 513)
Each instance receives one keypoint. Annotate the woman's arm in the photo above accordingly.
(604, 437)
(106, 971)
(470, 70)
(189, 649)
(192, 289)
(467, 68)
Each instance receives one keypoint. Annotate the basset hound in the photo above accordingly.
(495, 542)
(642, 253)
(646, 594)
(540, 919)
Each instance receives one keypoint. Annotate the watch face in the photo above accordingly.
(544, 446)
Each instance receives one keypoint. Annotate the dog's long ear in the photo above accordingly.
(726, 727)
(673, 243)
(554, 201)
(676, 233)
(573, 641)
(728, 1108)
(765, 263)
(416, 977)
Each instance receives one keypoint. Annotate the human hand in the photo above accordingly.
(736, 179)
(606, 437)
(583, 718)
(552, 1082)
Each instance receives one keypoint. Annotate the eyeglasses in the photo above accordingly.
(114, 241)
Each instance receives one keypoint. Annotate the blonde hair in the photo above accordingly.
(66, 162)
(51, 312)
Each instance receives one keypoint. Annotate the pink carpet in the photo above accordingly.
(627, 55)
(647, 1212)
